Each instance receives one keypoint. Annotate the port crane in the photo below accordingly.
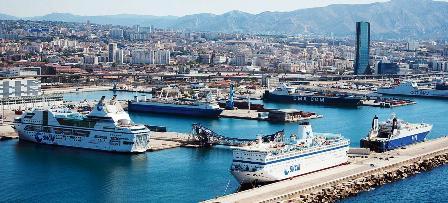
(205, 137)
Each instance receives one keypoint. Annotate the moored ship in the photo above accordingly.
(185, 107)
(275, 159)
(284, 93)
(107, 127)
(411, 88)
(394, 133)
(204, 107)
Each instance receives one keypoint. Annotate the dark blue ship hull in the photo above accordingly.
(382, 146)
(177, 110)
(319, 100)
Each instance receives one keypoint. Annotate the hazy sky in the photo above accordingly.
(25, 8)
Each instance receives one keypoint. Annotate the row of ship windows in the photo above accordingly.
(68, 132)
(237, 157)
(98, 137)
(249, 154)
(57, 130)
(32, 121)
(283, 156)
(290, 155)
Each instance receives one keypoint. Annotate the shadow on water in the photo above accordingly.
(91, 159)
(74, 171)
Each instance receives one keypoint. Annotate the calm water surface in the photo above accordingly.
(32, 172)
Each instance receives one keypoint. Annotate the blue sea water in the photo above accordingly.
(31, 172)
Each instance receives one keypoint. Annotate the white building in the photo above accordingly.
(151, 57)
(23, 71)
(240, 60)
(142, 57)
(19, 88)
(116, 33)
(219, 59)
(162, 57)
(89, 59)
(440, 66)
(119, 55)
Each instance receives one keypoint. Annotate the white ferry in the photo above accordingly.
(107, 127)
(394, 133)
(410, 88)
(277, 159)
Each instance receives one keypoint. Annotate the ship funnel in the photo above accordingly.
(259, 139)
(375, 127)
(306, 133)
(101, 102)
(375, 123)
(394, 125)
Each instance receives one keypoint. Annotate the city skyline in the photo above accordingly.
(165, 8)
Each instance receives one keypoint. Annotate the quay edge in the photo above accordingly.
(348, 180)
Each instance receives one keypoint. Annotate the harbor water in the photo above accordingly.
(33, 172)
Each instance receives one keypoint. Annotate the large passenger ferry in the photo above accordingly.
(394, 133)
(176, 105)
(410, 88)
(107, 127)
(276, 159)
(285, 93)
(184, 107)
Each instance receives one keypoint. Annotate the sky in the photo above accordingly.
(28, 8)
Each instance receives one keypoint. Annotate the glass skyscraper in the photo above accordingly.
(362, 48)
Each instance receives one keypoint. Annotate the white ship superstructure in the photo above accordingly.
(410, 88)
(107, 127)
(278, 159)
(394, 133)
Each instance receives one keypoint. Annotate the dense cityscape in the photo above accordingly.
(76, 48)
(139, 112)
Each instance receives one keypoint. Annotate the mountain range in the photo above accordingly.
(393, 19)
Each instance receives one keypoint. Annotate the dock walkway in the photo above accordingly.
(7, 132)
(167, 140)
(359, 167)
(253, 115)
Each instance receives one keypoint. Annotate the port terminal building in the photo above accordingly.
(21, 94)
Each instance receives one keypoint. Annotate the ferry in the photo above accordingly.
(107, 127)
(394, 133)
(284, 93)
(277, 158)
(177, 106)
(410, 88)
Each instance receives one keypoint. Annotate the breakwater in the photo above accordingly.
(361, 174)
(361, 183)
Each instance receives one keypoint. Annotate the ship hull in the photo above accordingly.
(317, 100)
(442, 94)
(383, 146)
(292, 167)
(177, 110)
(79, 142)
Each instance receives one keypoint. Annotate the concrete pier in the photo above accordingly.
(158, 140)
(240, 114)
(7, 132)
(361, 174)
(167, 140)
(253, 115)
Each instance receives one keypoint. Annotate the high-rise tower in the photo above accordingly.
(112, 52)
(362, 48)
